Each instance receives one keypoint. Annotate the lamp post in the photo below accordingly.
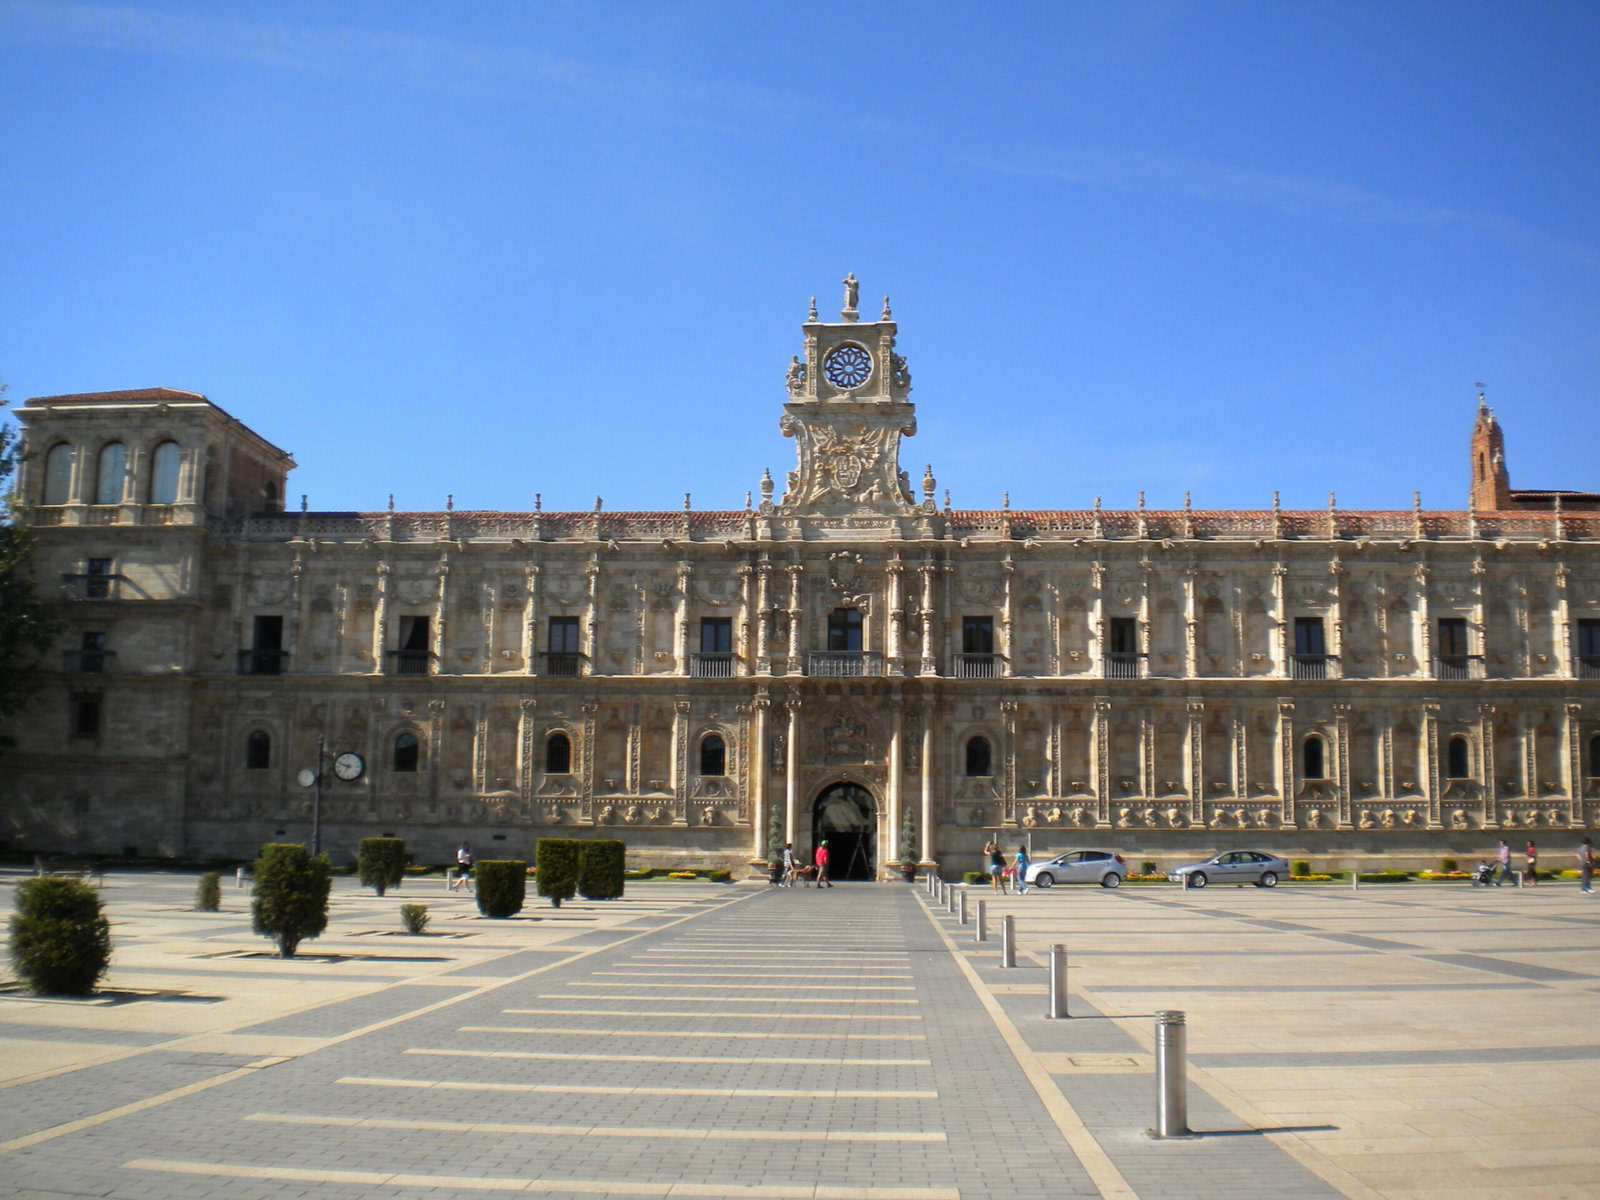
(316, 803)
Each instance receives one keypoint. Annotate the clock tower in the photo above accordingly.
(847, 410)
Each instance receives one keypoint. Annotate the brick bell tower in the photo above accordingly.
(1491, 483)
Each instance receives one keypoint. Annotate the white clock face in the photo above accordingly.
(349, 765)
(306, 777)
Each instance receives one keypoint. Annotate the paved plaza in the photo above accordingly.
(741, 1041)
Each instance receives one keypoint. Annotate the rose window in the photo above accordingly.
(847, 366)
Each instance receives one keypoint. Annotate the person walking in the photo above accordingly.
(1530, 877)
(788, 865)
(1019, 870)
(1586, 867)
(997, 866)
(463, 879)
(1503, 857)
(821, 859)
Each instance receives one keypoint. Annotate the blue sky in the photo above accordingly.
(502, 249)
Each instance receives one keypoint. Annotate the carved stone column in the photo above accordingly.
(1286, 763)
(759, 799)
(1280, 622)
(1195, 708)
(930, 652)
(1097, 617)
(680, 756)
(763, 617)
(527, 762)
(588, 761)
(1191, 624)
(797, 632)
(1491, 785)
(1341, 741)
(1007, 646)
(896, 800)
(680, 618)
(791, 789)
(530, 619)
(927, 782)
(1572, 715)
(380, 618)
(1102, 759)
(895, 649)
(1563, 646)
(441, 611)
(1008, 777)
(1430, 751)
(591, 618)
(1424, 624)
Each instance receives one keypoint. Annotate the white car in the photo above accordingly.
(1233, 866)
(1104, 867)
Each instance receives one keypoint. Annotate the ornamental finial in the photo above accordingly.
(887, 315)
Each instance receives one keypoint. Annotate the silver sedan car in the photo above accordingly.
(1079, 866)
(1233, 866)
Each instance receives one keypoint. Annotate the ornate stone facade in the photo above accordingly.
(699, 683)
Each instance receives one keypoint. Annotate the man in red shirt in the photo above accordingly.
(822, 865)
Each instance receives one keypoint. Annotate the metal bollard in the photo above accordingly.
(449, 878)
(238, 877)
(1172, 1083)
(1008, 941)
(1058, 983)
(950, 898)
(982, 934)
(961, 906)
(1521, 875)
(1355, 879)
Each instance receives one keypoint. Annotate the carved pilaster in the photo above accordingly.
(588, 761)
(680, 617)
(528, 765)
(441, 611)
(380, 618)
(1572, 716)
(1430, 748)
(1280, 621)
(591, 615)
(797, 634)
(680, 756)
(1286, 761)
(1008, 779)
(1341, 743)
(530, 619)
(1102, 759)
(1491, 777)
(1196, 711)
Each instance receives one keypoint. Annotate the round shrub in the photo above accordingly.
(60, 938)
(415, 917)
(557, 867)
(208, 892)
(502, 886)
(291, 895)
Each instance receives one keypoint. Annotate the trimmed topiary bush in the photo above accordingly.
(1447, 866)
(291, 895)
(415, 917)
(1300, 866)
(1147, 867)
(381, 862)
(719, 875)
(556, 861)
(601, 868)
(975, 877)
(208, 892)
(502, 885)
(60, 938)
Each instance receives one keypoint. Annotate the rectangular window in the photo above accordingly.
(1453, 637)
(411, 657)
(844, 630)
(85, 716)
(1124, 633)
(1308, 639)
(977, 635)
(97, 581)
(1588, 664)
(92, 653)
(265, 657)
(564, 635)
(716, 635)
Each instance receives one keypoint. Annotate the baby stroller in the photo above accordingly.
(1483, 876)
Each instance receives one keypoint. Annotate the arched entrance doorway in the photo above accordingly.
(843, 815)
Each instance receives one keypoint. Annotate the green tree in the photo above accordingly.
(60, 938)
(381, 862)
(291, 894)
(29, 623)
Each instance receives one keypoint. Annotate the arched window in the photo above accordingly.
(258, 750)
(713, 755)
(978, 756)
(1457, 760)
(164, 474)
(58, 474)
(1311, 758)
(108, 480)
(558, 755)
(407, 752)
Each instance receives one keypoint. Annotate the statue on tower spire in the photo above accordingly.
(852, 296)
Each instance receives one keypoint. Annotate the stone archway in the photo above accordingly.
(845, 814)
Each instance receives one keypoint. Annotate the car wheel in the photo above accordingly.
(1269, 879)
(1044, 879)
(1111, 879)
(1197, 879)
